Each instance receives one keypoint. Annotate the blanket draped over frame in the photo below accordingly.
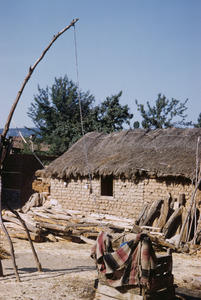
(133, 263)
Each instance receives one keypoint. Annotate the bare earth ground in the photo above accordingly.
(69, 272)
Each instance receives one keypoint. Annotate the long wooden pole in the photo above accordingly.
(31, 69)
(3, 136)
(193, 208)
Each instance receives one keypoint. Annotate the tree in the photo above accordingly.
(198, 125)
(56, 114)
(162, 114)
(110, 115)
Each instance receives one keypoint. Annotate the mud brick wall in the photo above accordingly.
(40, 186)
(128, 197)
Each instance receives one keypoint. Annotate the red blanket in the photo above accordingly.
(132, 264)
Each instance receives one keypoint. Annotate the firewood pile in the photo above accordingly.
(53, 223)
(164, 220)
(50, 223)
(171, 220)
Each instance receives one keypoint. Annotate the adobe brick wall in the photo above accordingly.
(128, 200)
(41, 186)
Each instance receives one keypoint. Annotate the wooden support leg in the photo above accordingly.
(29, 238)
(9, 239)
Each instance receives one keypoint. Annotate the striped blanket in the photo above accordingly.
(133, 263)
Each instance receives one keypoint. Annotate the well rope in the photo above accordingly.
(82, 125)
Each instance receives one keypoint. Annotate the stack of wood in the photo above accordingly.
(52, 223)
(163, 219)
(170, 219)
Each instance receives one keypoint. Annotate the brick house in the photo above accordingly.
(127, 170)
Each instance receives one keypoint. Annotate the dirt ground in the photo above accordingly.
(69, 272)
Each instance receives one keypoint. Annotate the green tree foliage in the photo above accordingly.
(56, 114)
(110, 115)
(161, 115)
(198, 125)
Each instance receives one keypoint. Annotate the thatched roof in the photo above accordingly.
(161, 152)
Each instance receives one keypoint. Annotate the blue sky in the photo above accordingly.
(142, 47)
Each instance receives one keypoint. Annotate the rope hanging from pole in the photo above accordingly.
(82, 124)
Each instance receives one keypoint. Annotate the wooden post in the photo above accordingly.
(8, 237)
(29, 238)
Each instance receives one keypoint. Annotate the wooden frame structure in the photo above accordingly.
(161, 286)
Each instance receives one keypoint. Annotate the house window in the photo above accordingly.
(107, 185)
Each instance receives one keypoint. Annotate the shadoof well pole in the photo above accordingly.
(5, 146)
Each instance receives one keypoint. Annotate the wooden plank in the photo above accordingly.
(46, 219)
(56, 213)
(105, 292)
(163, 259)
(165, 208)
(151, 228)
(23, 235)
(171, 226)
(71, 238)
(156, 233)
(87, 240)
(165, 294)
(185, 230)
(90, 234)
(161, 282)
(55, 227)
(143, 214)
(31, 227)
(153, 213)
(161, 242)
(164, 265)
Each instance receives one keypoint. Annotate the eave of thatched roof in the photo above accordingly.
(160, 152)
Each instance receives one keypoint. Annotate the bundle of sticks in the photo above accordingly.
(53, 223)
